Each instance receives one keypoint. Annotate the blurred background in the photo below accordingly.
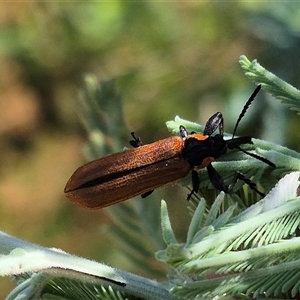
(167, 59)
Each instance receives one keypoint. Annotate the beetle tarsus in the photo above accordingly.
(147, 194)
(136, 142)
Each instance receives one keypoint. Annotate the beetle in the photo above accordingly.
(138, 171)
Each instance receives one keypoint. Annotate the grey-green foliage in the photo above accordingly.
(254, 253)
(277, 87)
(67, 287)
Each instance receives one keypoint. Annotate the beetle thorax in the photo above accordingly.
(197, 151)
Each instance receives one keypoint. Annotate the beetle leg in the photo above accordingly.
(195, 184)
(252, 185)
(136, 142)
(218, 182)
(213, 123)
(183, 132)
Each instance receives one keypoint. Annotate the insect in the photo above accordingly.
(138, 171)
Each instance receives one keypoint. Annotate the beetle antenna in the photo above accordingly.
(266, 161)
(246, 106)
